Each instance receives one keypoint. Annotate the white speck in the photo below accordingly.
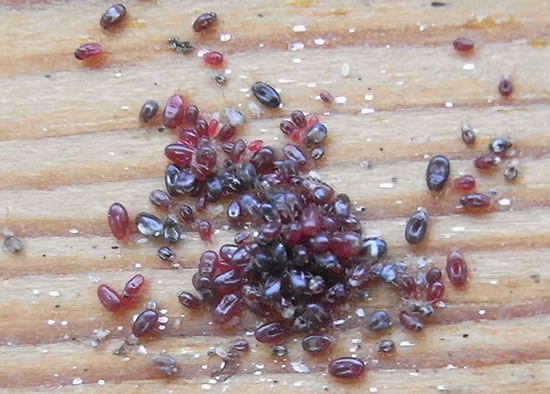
(355, 341)
(448, 104)
(101, 382)
(162, 328)
(125, 359)
(141, 350)
(137, 265)
(228, 71)
(54, 293)
(339, 322)
(314, 174)
(341, 99)
(493, 282)
(163, 311)
(261, 45)
(64, 322)
(369, 97)
(413, 373)
(351, 30)
(406, 344)
(422, 27)
(283, 80)
(124, 108)
(225, 37)
(440, 388)
(311, 84)
(77, 381)
(196, 355)
(118, 74)
(296, 60)
(345, 70)
(367, 110)
(504, 202)
(388, 185)
(73, 231)
(399, 202)
(260, 366)
(451, 366)
(299, 367)
(36, 291)
(244, 90)
(299, 29)
(45, 351)
(482, 312)
(458, 228)
(142, 240)
(204, 366)
(400, 83)
(120, 328)
(206, 386)
(298, 384)
(295, 46)
(468, 67)
(373, 390)
(360, 312)
(202, 51)
(319, 41)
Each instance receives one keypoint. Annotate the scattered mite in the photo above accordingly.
(165, 364)
(468, 134)
(500, 145)
(457, 269)
(510, 173)
(486, 161)
(463, 44)
(148, 111)
(113, 16)
(326, 97)
(346, 368)
(437, 172)
(386, 346)
(205, 21)
(220, 78)
(213, 58)
(266, 95)
(118, 220)
(464, 183)
(505, 87)
(416, 227)
(279, 351)
(166, 254)
(88, 51)
(475, 200)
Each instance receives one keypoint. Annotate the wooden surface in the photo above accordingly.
(71, 145)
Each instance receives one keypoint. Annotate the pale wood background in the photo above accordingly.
(71, 145)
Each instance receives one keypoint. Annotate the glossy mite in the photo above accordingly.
(205, 21)
(378, 321)
(113, 16)
(240, 345)
(145, 323)
(148, 111)
(505, 87)
(271, 332)
(386, 346)
(189, 300)
(253, 146)
(475, 200)
(486, 161)
(433, 275)
(205, 230)
(500, 145)
(468, 134)
(173, 114)
(109, 298)
(159, 198)
(213, 58)
(266, 95)
(410, 322)
(316, 343)
(464, 183)
(437, 172)
(134, 285)
(457, 270)
(346, 368)
(118, 219)
(435, 291)
(510, 173)
(416, 227)
(228, 307)
(326, 97)
(86, 51)
(462, 44)
(148, 225)
(165, 364)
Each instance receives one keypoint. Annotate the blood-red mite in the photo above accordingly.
(462, 44)
(88, 51)
(118, 219)
(205, 21)
(113, 16)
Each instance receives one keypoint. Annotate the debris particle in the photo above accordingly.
(295, 46)
(345, 70)
(468, 67)
(180, 46)
(299, 29)
(224, 37)
(13, 244)
(319, 41)
(77, 381)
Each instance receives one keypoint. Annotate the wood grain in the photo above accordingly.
(71, 144)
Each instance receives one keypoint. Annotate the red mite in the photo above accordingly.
(457, 270)
(118, 219)
(87, 51)
(214, 58)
